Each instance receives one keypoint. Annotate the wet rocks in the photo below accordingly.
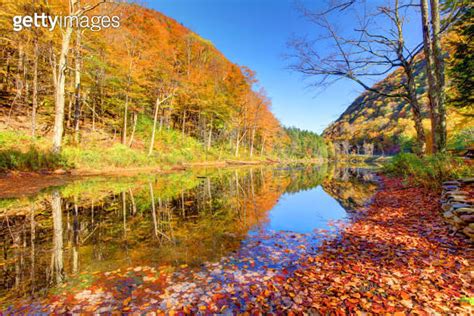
(458, 205)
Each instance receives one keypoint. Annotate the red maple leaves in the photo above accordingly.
(398, 257)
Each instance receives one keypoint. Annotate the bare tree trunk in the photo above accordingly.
(124, 123)
(20, 84)
(155, 117)
(69, 108)
(237, 143)
(59, 93)
(127, 98)
(252, 141)
(439, 72)
(8, 70)
(415, 108)
(432, 89)
(411, 84)
(209, 138)
(35, 88)
(101, 98)
(59, 74)
(254, 129)
(77, 85)
(134, 127)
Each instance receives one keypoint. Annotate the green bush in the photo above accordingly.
(428, 171)
(12, 139)
(31, 160)
(463, 140)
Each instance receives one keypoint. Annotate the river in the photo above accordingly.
(176, 241)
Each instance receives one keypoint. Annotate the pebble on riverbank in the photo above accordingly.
(458, 205)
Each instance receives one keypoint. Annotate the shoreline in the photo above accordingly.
(15, 184)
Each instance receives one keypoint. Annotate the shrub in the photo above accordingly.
(117, 155)
(428, 171)
(12, 139)
(31, 160)
(463, 140)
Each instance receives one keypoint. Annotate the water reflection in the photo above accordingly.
(71, 233)
(304, 211)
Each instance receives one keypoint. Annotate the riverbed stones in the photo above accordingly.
(451, 183)
(468, 218)
(450, 187)
(467, 180)
(455, 205)
(458, 205)
(458, 198)
(463, 211)
(457, 192)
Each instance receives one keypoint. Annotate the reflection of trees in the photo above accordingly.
(32, 247)
(159, 228)
(351, 187)
(171, 219)
(306, 178)
(75, 237)
(57, 263)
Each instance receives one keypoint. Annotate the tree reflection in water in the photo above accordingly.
(189, 219)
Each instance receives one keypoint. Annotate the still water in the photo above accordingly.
(164, 241)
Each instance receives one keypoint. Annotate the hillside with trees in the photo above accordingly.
(149, 91)
(388, 123)
(303, 144)
(423, 105)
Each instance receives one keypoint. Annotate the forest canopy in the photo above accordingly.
(134, 84)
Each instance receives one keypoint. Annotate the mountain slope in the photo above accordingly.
(387, 122)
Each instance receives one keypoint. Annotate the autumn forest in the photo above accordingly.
(139, 92)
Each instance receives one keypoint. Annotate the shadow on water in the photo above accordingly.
(254, 219)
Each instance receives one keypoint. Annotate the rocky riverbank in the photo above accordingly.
(458, 205)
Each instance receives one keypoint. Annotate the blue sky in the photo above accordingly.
(255, 33)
